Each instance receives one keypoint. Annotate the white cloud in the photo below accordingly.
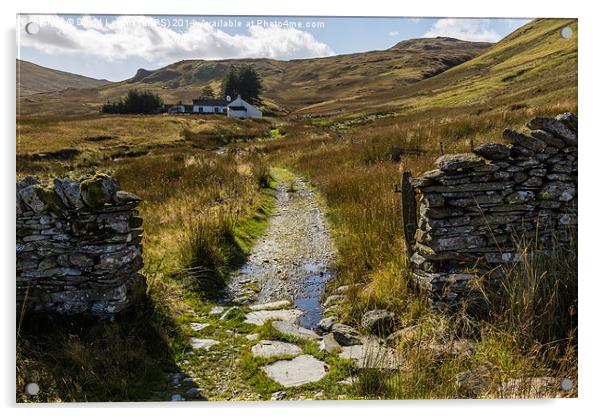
(144, 37)
(393, 33)
(466, 29)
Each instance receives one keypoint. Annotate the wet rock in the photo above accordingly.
(345, 335)
(325, 325)
(459, 162)
(493, 151)
(378, 322)
(291, 328)
(296, 372)
(267, 349)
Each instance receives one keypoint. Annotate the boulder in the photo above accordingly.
(378, 322)
(459, 162)
(345, 335)
(493, 151)
(325, 324)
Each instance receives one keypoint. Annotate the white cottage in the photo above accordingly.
(241, 108)
(237, 108)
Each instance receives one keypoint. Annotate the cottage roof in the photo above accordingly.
(211, 103)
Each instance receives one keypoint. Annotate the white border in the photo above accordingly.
(590, 177)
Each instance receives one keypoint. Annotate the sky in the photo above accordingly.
(115, 47)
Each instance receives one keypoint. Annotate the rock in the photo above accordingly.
(296, 372)
(229, 313)
(123, 197)
(520, 197)
(98, 191)
(493, 151)
(556, 127)
(371, 354)
(345, 335)
(326, 324)
(205, 344)
(252, 337)
(561, 191)
(378, 322)
(530, 387)
(333, 300)
(404, 334)
(474, 382)
(30, 196)
(520, 139)
(290, 328)
(548, 138)
(329, 344)
(193, 391)
(269, 349)
(569, 120)
(457, 347)
(216, 310)
(459, 162)
(68, 190)
(279, 395)
(197, 326)
(261, 317)
(270, 305)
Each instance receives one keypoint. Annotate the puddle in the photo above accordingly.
(309, 299)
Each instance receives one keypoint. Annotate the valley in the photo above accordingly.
(293, 208)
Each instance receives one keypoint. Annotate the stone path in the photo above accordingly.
(294, 258)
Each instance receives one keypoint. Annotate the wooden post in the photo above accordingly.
(471, 145)
(408, 211)
(441, 148)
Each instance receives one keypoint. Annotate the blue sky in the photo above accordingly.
(114, 47)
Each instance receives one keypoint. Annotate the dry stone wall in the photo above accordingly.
(474, 206)
(78, 246)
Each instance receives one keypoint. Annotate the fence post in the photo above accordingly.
(441, 148)
(408, 211)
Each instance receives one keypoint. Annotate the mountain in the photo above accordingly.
(531, 66)
(288, 85)
(34, 79)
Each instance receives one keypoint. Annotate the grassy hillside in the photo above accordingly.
(320, 84)
(34, 79)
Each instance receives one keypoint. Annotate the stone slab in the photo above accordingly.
(268, 348)
(296, 372)
(261, 317)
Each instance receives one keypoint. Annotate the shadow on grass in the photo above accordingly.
(84, 360)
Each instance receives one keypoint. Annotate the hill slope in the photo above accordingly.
(288, 85)
(34, 79)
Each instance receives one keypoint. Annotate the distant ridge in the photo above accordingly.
(34, 79)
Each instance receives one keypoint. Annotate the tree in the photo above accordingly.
(135, 102)
(243, 81)
(207, 93)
